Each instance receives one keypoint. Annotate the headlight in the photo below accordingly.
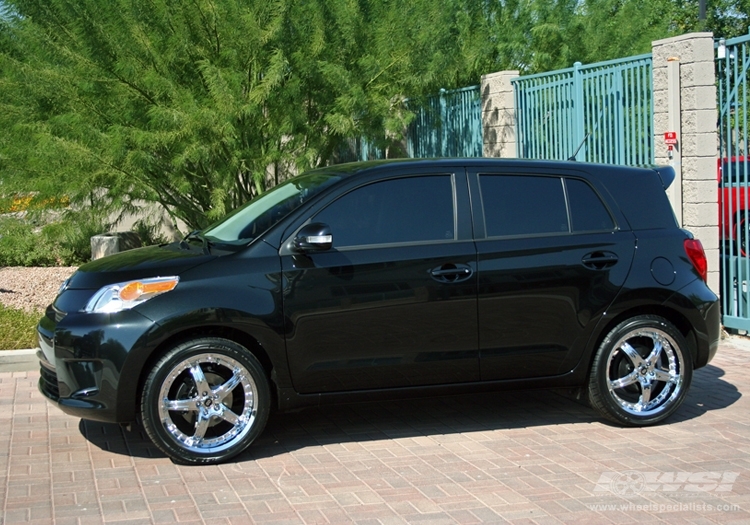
(122, 296)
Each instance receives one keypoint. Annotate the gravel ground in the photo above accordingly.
(31, 289)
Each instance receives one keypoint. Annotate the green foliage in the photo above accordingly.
(200, 105)
(21, 244)
(60, 243)
(17, 329)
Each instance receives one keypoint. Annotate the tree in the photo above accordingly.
(199, 105)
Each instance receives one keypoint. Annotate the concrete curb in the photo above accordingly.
(25, 351)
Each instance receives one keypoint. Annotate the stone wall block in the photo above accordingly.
(498, 114)
(699, 168)
(698, 191)
(699, 121)
(702, 144)
(700, 97)
(697, 74)
(700, 214)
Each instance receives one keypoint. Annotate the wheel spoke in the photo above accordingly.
(629, 379)
(653, 357)
(665, 376)
(200, 380)
(631, 352)
(224, 390)
(201, 425)
(229, 416)
(645, 394)
(180, 405)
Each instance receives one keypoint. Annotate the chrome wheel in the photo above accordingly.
(208, 402)
(641, 372)
(205, 401)
(644, 372)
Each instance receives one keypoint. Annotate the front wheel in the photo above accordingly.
(641, 372)
(205, 401)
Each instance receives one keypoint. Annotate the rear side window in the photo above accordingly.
(413, 209)
(523, 205)
(587, 211)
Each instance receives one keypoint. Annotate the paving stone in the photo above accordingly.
(509, 457)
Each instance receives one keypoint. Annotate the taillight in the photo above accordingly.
(694, 251)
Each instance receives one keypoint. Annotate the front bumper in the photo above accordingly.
(83, 360)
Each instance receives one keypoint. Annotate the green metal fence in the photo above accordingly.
(447, 125)
(732, 69)
(606, 108)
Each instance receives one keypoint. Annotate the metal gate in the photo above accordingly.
(447, 125)
(607, 107)
(732, 69)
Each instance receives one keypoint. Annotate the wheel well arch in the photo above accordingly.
(673, 316)
(225, 332)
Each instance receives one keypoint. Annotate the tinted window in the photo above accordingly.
(641, 197)
(587, 211)
(400, 210)
(523, 205)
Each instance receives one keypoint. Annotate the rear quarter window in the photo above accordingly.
(641, 198)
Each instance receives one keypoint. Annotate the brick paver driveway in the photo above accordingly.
(515, 457)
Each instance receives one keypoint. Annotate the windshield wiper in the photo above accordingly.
(196, 234)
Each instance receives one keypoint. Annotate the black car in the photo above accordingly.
(381, 279)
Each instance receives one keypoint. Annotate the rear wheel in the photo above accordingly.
(205, 401)
(641, 372)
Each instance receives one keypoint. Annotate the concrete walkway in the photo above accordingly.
(515, 457)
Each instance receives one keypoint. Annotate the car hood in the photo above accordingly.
(151, 261)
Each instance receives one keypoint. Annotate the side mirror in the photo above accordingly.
(315, 237)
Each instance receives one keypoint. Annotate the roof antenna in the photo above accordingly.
(573, 157)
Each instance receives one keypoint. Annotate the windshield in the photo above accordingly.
(258, 215)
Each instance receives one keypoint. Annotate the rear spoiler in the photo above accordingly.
(666, 174)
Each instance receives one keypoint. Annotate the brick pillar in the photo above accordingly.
(498, 115)
(692, 57)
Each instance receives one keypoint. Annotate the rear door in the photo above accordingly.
(551, 258)
(393, 303)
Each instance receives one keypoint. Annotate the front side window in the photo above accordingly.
(523, 205)
(260, 214)
(406, 210)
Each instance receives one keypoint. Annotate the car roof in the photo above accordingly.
(352, 168)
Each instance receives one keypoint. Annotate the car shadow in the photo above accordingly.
(406, 418)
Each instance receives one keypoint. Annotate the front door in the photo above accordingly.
(393, 303)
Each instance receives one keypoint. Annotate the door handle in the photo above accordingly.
(599, 260)
(451, 273)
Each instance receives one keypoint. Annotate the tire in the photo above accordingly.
(194, 425)
(641, 372)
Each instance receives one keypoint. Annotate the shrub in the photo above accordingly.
(17, 328)
(22, 244)
(65, 242)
